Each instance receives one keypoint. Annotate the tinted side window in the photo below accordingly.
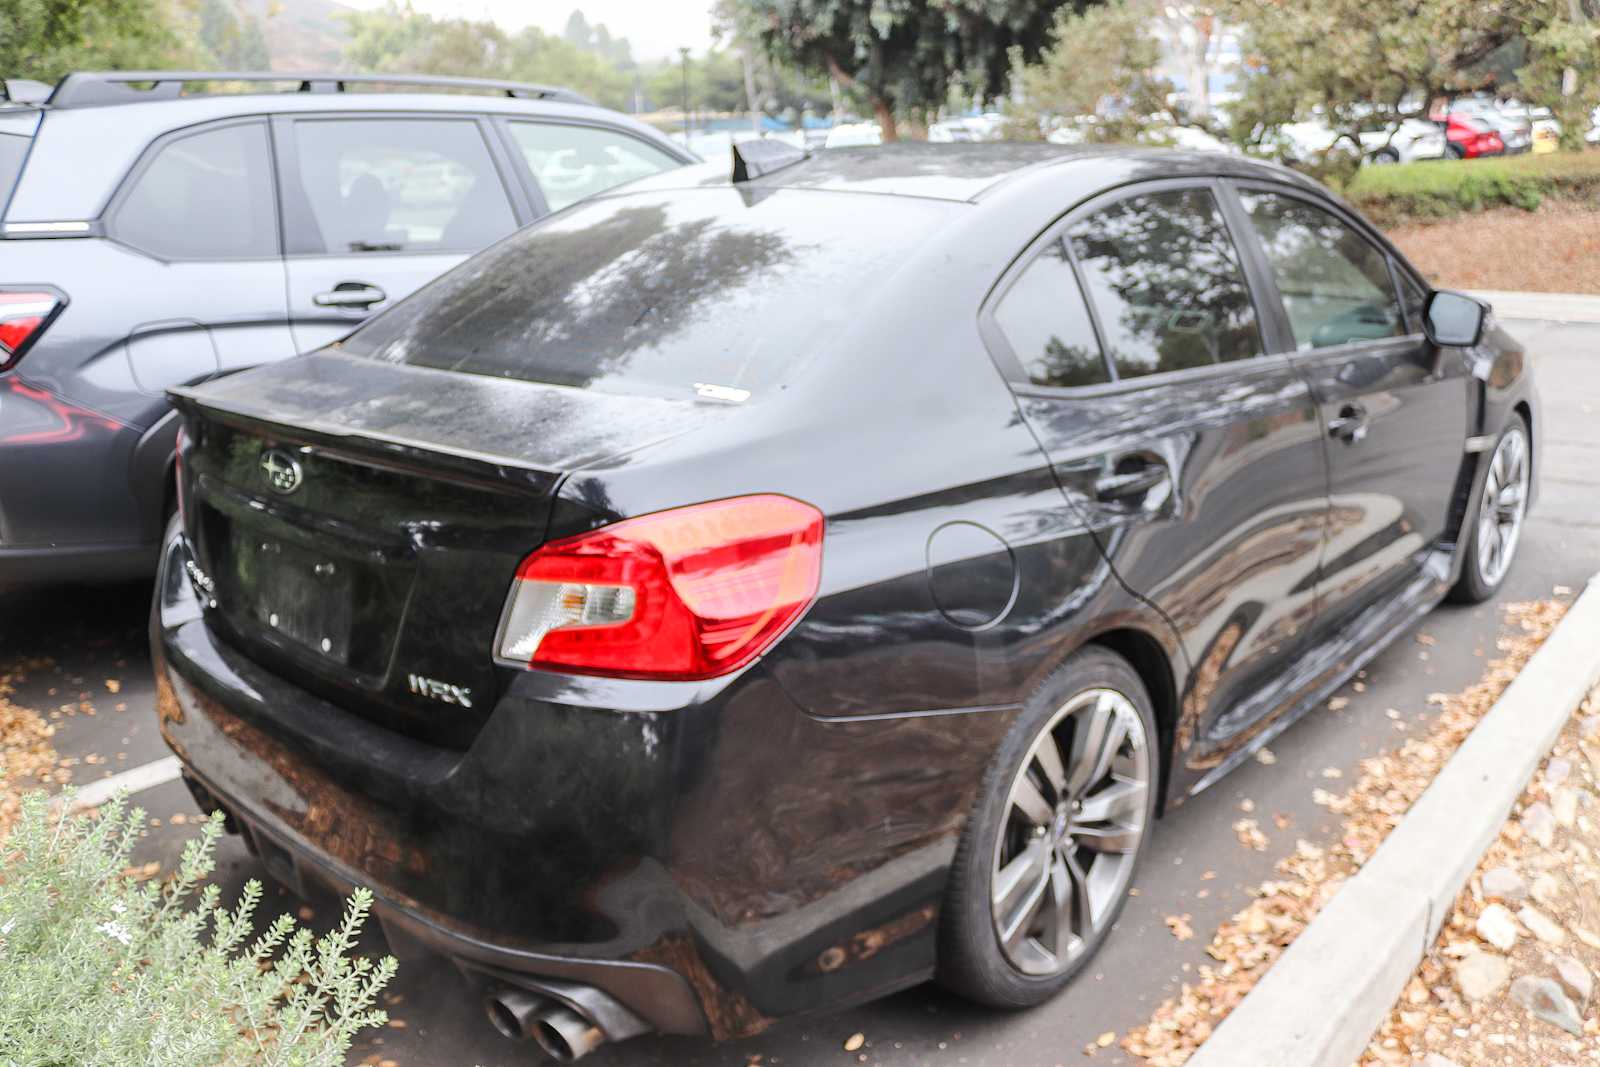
(1334, 283)
(401, 185)
(1166, 281)
(204, 196)
(572, 162)
(1045, 319)
(1414, 296)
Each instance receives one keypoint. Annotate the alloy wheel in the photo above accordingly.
(1503, 507)
(1074, 819)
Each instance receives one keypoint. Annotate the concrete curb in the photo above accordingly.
(1555, 307)
(1321, 1002)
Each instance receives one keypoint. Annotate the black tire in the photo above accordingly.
(1473, 587)
(1385, 156)
(1455, 151)
(971, 961)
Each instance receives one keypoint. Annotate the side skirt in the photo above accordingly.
(1323, 668)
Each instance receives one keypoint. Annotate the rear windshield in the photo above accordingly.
(715, 292)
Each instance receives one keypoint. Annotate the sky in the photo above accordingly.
(655, 28)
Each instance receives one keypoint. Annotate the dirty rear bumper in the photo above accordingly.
(704, 853)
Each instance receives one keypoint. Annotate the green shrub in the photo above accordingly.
(1435, 190)
(100, 970)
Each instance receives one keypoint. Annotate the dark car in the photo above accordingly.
(729, 599)
(152, 238)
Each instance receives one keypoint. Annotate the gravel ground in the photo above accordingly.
(1510, 979)
(1553, 250)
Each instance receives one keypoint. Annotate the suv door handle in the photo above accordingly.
(350, 295)
(1134, 482)
(1350, 426)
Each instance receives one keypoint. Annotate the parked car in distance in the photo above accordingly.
(1406, 141)
(728, 599)
(1471, 137)
(1510, 121)
(152, 238)
(1410, 140)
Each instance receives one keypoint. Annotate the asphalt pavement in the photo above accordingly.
(1196, 867)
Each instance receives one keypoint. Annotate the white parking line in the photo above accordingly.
(134, 780)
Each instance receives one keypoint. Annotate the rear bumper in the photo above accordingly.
(704, 853)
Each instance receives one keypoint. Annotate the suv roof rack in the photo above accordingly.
(98, 89)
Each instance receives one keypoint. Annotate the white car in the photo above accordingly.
(1407, 141)
(854, 134)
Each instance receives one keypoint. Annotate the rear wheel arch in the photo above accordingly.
(1144, 652)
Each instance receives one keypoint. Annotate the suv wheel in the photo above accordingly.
(1044, 865)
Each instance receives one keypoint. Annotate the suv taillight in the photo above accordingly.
(24, 314)
(690, 593)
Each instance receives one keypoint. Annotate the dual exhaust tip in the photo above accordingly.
(561, 1032)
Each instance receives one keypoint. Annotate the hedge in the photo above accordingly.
(1411, 192)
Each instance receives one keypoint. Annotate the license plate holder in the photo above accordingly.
(302, 598)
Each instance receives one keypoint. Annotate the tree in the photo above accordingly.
(1101, 65)
(1336, 58)
(396, 38)
(904, 57)
(45, 39)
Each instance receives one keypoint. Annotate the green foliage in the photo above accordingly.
(1354, 63)
(396, 38)
(45, 39)
(1100, 65)
(98, 970)
(1420, 191)
(1556, 46)
(903, 56)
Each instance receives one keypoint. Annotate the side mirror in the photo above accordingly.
(1453, 320)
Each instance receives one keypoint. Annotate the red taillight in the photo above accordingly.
(24, 314)
(690, 593)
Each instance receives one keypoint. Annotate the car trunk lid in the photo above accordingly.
(361, 522)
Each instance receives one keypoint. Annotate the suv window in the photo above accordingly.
(1047, 323)
(1335, 283)
(207, 195)
(572, 162)
(13, 150)
(1166, 282)
(401, 185)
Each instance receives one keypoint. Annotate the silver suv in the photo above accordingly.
(151, 237)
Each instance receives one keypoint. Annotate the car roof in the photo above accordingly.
(81, 154)
(968, 171)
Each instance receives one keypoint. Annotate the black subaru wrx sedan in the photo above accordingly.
(733, 598)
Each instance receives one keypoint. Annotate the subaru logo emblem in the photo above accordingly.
(282, 471)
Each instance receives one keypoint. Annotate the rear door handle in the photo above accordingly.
(350, 295)
(1130, 483)
(1351, 424)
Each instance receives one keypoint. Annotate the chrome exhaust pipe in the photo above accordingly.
(514, 1012)
(565, 1035)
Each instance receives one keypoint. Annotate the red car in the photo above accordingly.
(1470, 137)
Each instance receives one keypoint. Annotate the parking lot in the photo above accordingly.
(82, 657)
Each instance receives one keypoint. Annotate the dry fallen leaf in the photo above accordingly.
(854, 1042)
(113, 686)
(1383, 787)
(1250, 835)
(1179, 925)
